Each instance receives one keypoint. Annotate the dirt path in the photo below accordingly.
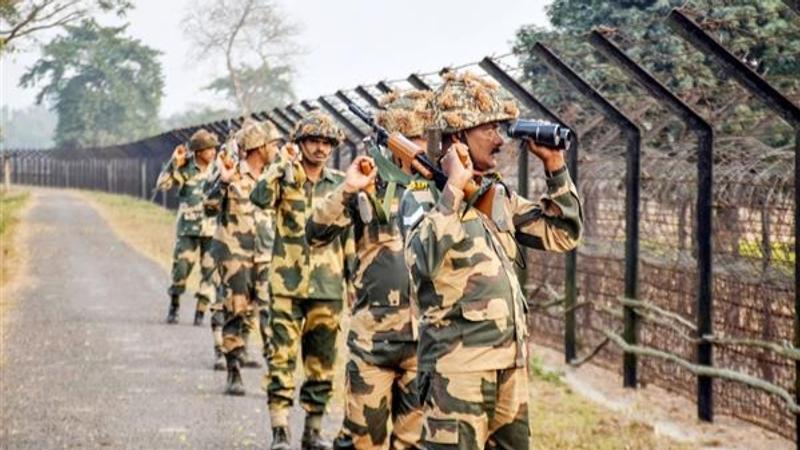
(89, 362)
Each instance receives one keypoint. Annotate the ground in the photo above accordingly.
(90, 363)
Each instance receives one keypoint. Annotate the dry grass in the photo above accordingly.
(561, 419)
(12, 206)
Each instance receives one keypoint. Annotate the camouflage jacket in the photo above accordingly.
(190, 180)
(298, 270)
(473, 313)
(243, 230)
(381, 313)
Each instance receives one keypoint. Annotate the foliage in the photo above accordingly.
(763, 33)
(195, 115)
(264, 87)
(21, 20)
(105, 87)
(31, 127)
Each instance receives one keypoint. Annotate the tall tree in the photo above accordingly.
(23, 19)
(256, 41)
(105, 87)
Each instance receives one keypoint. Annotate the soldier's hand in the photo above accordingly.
(552, 159)
(225, 173)
(179, 155)
(355, 179)
(457, 165)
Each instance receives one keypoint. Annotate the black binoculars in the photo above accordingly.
(541, 132)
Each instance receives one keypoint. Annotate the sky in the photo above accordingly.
(345, 42)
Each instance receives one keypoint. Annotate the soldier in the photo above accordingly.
(382, 368)
(194, 229)
(307, 284)
(245, 236)
(473, 379)
(216, 306)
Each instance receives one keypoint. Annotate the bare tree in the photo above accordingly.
(20, 19)
(246, 34)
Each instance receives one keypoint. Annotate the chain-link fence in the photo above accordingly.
(682, 278)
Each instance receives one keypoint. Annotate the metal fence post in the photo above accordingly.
(705, 135)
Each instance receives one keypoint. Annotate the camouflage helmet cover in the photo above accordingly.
(317, 124)
(254, 134)
(203, 139)
(409, 113)
(465, 101)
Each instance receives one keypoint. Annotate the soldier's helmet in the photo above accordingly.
(317, 124)
(203, 139)
(465, 101)
(409, 113)
(254, 134)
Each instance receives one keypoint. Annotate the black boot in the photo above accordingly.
(235, 385)
(198, 318)
(343, 442)
(174, 307)
(280, 439)
(312, 438)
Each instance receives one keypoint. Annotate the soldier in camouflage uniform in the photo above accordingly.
(245, 236)
(216, 309)
(472, 353)
(307, 284)
(194, 229)
(382, 369)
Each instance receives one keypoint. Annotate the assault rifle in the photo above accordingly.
(414, 160)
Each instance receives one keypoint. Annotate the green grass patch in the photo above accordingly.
(781, 253)
(10, 204)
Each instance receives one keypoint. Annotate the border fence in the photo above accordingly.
(688, 275)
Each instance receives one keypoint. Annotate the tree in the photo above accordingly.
(23, 19)
(254, 39)
(105, 87)
(195, 115)
(32, 127)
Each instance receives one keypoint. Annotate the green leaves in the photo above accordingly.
(105, 87)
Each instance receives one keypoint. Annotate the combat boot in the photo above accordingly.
(312, 437)
(280, 439)
(219, 362)
(198, 318)
(234, 385)
(174, 307)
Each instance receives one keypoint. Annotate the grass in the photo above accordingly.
(11, 206)
(561, 419)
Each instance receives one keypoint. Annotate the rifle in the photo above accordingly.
(414, 160)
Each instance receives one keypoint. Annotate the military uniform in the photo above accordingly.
(472, 351)
(193, 229)
(307, 283)
(245, 235)
(381, 371)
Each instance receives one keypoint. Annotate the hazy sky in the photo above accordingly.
(347, 42)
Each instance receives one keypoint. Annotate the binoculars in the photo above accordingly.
(541, 132)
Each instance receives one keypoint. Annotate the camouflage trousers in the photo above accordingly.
(476, 410)
(245, 302)
(374, 395)
(188, 251)
(309, 327)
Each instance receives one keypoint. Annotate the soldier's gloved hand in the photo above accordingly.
(553, 159)
(457, 165)
(179, 155)
(289, 151)
(225, 172)
(355, 179)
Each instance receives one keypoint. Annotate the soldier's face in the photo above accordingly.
(206, 155)
(484, 142)
(316, 151)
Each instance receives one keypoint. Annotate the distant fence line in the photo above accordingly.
(692, 276)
